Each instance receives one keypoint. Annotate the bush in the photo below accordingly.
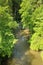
(37, 37)
(32, 17)
(6, 36)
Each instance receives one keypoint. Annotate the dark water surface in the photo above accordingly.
(22, 55)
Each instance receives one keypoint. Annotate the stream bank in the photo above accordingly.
(22, 55)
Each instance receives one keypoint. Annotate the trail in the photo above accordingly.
(22, 55)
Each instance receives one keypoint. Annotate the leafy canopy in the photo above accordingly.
(32, 17)
(6, 25)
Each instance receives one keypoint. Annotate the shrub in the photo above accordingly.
(6, 36)
(32, 17)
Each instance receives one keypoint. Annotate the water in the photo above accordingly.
(22, 55)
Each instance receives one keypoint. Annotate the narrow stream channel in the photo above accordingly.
(22, 55)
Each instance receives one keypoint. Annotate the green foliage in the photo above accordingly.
(3, 2)
(6, 25)
(26, 13)
(32, 17)
(37, 37)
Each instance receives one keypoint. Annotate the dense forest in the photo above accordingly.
(24, 14)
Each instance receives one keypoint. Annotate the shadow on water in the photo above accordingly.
(3, 60)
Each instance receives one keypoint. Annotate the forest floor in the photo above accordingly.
(22, 55)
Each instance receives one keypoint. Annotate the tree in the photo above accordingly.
(37, 37)
(6, 25)
(32, 16)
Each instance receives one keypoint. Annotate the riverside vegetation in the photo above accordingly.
(27, 14)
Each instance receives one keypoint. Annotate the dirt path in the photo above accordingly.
(22, 55)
